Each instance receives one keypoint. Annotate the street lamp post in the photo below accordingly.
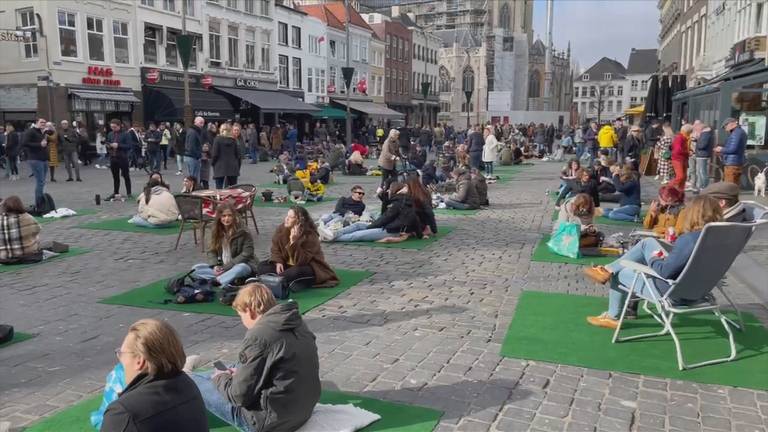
(468, 83)
(424, 92)
(185, 51)
(348, 71)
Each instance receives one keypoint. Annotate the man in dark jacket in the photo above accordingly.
(276, 382)
(193, 148)
(475, 150)
(353, 204)
(36, 145)
(153, 138)
(70, 140)
(652, 134)
(704, 146)
(733, 151)
(630, 147)
(120, 144)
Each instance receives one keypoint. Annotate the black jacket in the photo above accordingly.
(427, 216)
(347, 204)
(12, 146)
(153, 138)
(630, 147)
(225, 157)
(476, 142)
(31, 141)
(157, 404)
(399, 217)
(277, 380)
(705, 144)
(193, 147)
(125, 141)
(577, 187)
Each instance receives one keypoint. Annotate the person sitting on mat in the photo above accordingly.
(581, 210)
(466, 196)
(569, 172)
(276, 382)
(668, 263)
(296, 252)
(397, 222)
(604, 178)
(353, 204)
(158, 396)
(323, 171)
(19, 234)
(627, 182)
(583, 184)
(665, 211)
(230, 255)
(355, 164)
(314, 189)
(422, 203)
(157, 206)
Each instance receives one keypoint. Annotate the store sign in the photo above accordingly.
(15, 36)
(162, 78)
(247, 83)
(206, 113)
(101, 76)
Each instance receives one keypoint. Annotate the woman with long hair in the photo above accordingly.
(627, 182)
(19, 233)
(422, 203)
(157, 205)
(230, 254)
(663, 153)
(581, 210)
(225, 158)
(296, 252)
(388, 158)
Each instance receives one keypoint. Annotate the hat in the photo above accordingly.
(635, 128)
(728, 121)
(722, 190)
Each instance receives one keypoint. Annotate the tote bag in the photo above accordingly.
(565, 240)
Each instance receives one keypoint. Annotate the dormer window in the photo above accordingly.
(585, 77)
(607, 76)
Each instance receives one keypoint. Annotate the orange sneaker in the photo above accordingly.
(603, 320)
(599, 274)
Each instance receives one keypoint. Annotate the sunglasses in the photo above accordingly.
(359, 193)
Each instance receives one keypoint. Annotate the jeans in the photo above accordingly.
(164, 154)
(312, 197)
(451, 204)
(218, 405)
(140, 221)
(328, 218)
(702, 172)
(39, 170)
(488, 168)
(193, 167)
(475, 159)
(254, 154)
(102, 160)
(119, 166)
(155, 158)
(359, 231)
(226, 181)
(623, 213)
(179, 163)
(13, 165)
(621, 278)
(205, 271)
(692, 171)
(579, 150)
(70, 160)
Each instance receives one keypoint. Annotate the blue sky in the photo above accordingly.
(599, 28)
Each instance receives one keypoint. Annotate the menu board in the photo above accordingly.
(754, 124)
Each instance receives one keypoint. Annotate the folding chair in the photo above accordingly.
(247, 209)
(715, 251)
(191, 211)
(755, 212)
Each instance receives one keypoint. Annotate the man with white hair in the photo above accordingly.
(193, 148)
(69, 139)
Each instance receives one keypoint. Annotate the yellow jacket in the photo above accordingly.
(316, 189)
(303, 175)
(607, 137)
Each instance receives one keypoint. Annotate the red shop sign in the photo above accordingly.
(101, 76)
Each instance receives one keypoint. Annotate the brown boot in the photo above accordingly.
(603, 320)
(599, 274)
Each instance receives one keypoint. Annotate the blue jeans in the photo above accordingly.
(475, 159)
(312, 197)
(702, 172)
(218, 405)
(140, 221)
(326, 219)
(621, 278)
(254, 154)
(193, 167)
(579, 150)
(237, 271)
(488, 168)
(39, 169)
(359, 231)
(155, 159)
(624, 213)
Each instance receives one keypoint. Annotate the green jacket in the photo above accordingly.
(241, 250)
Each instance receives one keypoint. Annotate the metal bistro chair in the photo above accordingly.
(715, 251)
(247, 209)
(755, 212)
(191, 211)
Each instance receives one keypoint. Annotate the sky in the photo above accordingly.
(599, 28)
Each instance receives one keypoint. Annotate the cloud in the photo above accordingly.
(599, 28)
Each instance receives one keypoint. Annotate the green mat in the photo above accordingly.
(553, 328)
(395, 417)
(454, 212)
(73, 251)
(121, 224)
(602, 220)
(411, 243)
(17, 337)
(543, 254)
(151, 296)
(259, 203)
(80, 212)
(282, 187)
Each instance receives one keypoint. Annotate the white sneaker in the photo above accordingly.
(324, 233)
(97, 166)
(178, 172)
(656, 178)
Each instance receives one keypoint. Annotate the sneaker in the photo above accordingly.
(111, 197)
(656, 178)
(603, 320)
(97, 166)
(178, 172)
(191, 363)
(79, 179)
(598, 274)
(324, 233)
(70, 179)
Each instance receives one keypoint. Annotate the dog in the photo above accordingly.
(760, 182)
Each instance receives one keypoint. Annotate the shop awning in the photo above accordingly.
(116, 96)
(329, 112)
(271, 101)
(370, 108)
(638, 110)
(166, 104)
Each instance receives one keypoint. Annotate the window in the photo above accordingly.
(150, 45)
(282, 70)
(620, 91)
(233, 34)
(296, 72)
(321, 85)
(26, 21)
(232, 4)
(619, 106)
(607, 76)
(265, 50)
(388, 47)
(120, 42)
(355, 49)
(214, 43)
(584, 91)
(642, 100)
(314, 45)
(585, 77)
(592, 91)
(250, 6)
(583, 108)
(644, 85)
(197, 41)
(332, 76)
(633, 100)
(296, 37)
(416, 52)
(67, 33)
(407, 53)
(169, 5)
(150, 3)
(332, 46)
(575, 92)
(343, 50)
(282, 33)
(610, 91)
(190, 7)
(171, 53)
(633, 85)
(265, 7)
(610, 106)
(250, 49)
(95, 29)
(310, 76)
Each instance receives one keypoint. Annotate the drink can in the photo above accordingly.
(671, 235)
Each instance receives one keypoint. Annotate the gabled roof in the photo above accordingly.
(538, 48)
(606, 65)
(337, 9)
(642, 61)
(320, 12)
(406, 20)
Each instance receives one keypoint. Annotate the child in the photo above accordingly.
(314, 189)
(205, 166)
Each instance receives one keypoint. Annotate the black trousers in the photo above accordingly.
(290, 273)
(387, 177)
(119, 165)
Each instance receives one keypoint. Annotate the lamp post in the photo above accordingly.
(184, 45)
(49, 76)
(468, 84)
(424, 92)
(347, 72)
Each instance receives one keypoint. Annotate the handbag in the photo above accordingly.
(276, 284)
(565, 240)
(666, 154)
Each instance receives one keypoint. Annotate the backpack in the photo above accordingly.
(190, 289)
(43, 206)
(6, 333)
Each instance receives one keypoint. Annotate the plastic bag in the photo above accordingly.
(114, 385)
(565, 240)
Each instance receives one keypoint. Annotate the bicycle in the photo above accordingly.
(751, 167)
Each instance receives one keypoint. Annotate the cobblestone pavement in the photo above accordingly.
(425, 329)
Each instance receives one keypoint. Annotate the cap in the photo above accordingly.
(722, 190)
(728, 121)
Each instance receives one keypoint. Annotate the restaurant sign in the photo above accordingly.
(246, 83)
(101, 76)
(163, 78)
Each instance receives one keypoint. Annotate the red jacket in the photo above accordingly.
(361, 148)
(680, 148)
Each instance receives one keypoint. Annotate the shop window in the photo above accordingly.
(214, 42)
(150, 45)
(750, 105)
(95, 105)
(171, 53)
(26, 22)
(296, 72)
(67, 22)
(120, 42)
(282, 70)
(79, 104)
(266, 38)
